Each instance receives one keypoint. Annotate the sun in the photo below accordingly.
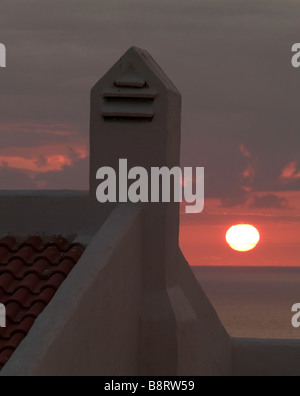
(242, 237)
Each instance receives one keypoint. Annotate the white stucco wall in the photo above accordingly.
(91, 327)
(93, 324)
(204, 345)
(45, 213)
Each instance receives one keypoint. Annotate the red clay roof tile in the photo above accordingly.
(30, 274)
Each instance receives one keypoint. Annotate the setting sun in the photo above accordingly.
(242, 237)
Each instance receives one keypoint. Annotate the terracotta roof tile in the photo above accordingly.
(30, 274)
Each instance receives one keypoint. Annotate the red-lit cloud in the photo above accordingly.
(44, 159)
(290, 172)
(245, 152)
(34, 149)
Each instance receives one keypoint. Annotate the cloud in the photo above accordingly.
(49, 149)
(34, 134)
(244, 151)
(42, 159)
(13, 179)
(68, 177)
(34, 147)
(291, 172)
(234, 200)
(75, 177)
(269, 201)
(37, 128)
(229, 59)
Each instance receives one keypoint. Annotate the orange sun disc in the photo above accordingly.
(242, 237)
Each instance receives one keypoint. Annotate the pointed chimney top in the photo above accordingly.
(129, 77)
(135, 115)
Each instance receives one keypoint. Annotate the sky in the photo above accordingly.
(230, 59)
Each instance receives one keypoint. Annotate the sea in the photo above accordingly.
(253, 302)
